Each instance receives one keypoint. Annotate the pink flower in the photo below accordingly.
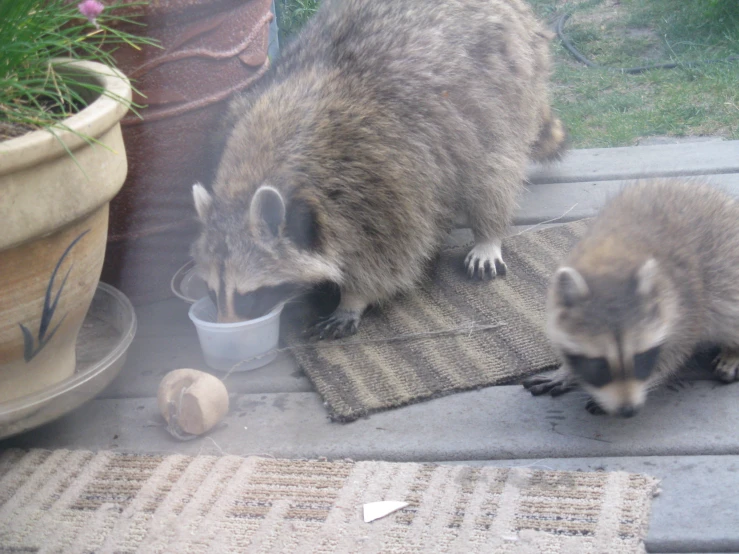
(91, 9)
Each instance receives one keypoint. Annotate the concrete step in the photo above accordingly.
(495, 423)
(662, 160)
(573, 200)
(151, 359)
(166, 339)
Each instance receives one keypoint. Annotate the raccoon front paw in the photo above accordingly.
(485, 261)
(553, 383)
(592, 407)
(338, 325)
(727, 366)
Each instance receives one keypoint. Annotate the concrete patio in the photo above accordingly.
(687, 436)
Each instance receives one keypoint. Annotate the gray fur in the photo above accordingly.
(661, 265)
(381, 123)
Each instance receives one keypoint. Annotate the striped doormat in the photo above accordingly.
(77, 501)
(405, 352)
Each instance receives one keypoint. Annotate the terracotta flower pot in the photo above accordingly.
(210, 50)
(54, 213)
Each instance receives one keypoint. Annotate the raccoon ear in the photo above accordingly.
(267, 211)
(646, 277)
(203, 201)
(302, 225)
(570, 286)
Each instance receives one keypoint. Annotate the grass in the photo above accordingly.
(35, 94)
(293, 14)
(603, 108)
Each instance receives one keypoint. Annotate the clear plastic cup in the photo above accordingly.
(250, 344)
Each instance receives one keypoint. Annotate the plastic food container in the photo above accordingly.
(240, 346)
(187, 284)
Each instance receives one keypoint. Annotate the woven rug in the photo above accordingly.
(77, 501)
(364, 374)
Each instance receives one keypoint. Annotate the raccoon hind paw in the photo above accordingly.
(340, 324)
(727, 366)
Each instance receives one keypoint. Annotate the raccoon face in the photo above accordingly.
(255, 252)
(609, 332)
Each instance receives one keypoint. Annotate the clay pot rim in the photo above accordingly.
(101, 115)
(178, 8)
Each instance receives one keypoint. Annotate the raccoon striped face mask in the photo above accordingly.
(249, 254)
(610, 331)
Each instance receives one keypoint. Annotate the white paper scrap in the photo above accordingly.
(376, 510)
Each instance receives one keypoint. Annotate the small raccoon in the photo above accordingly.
(383, 124)
(656, 277)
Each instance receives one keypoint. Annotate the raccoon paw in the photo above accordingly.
(592, 407)
(727, 366)
(485, 261)
(554, 384)
(338, 325)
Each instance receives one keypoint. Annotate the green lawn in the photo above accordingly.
(606, 108)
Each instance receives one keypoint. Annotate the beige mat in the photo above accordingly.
(77, 501)
(499, 335)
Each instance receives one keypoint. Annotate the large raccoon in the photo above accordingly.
(656, 277)
(382, 124)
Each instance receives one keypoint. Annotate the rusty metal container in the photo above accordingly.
(211, 50)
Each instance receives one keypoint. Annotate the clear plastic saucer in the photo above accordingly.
(102, 345)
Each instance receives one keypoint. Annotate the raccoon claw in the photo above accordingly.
(547, 384)
(592, 407)
(727, 366)
(485, 261)
(336, 326)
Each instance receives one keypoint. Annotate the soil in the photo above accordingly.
(12, 130)
(9, 130)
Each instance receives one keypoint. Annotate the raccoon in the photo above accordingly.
(380, 125)
(656, 278)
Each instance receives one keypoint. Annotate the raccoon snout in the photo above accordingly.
(256, 303)
(628, 411)
(240, 307)
(249, 306)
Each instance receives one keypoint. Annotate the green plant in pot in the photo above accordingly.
(62, 159)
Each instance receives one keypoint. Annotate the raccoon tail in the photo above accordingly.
(552, 140)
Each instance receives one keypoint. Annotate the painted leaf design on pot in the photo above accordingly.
(30, 348)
